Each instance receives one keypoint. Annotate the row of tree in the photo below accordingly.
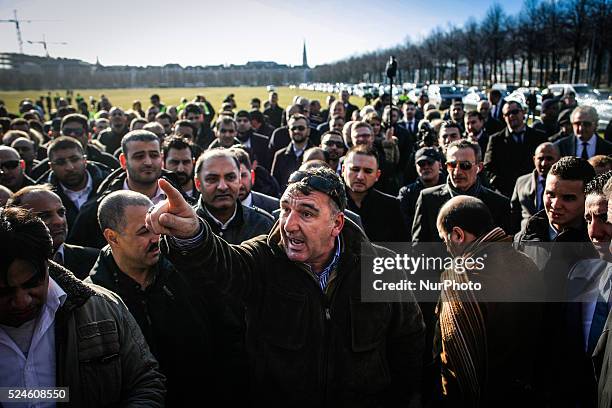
(547, 41)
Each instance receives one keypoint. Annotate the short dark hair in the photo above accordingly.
(243, 114)
(139, 135)
(256, 100)
(186, 123)
(298, 116)
(178, 143)
(16, 200)
(242, 155)
(495, 92)
(573, 168)
(163, 115)
(332, 178)
(466, 144)
(363, 150)
(468, 213)
(111, 212)
(24, 236)
(214, 153)
(63, 143)
(257, 115)
(192, 107)
(474, 113)
(597, 184)
(19, 122)
(76, 117)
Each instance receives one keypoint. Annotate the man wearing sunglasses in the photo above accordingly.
(287, 160)
(333, 143)
(510, 152)
(584, 143)
(12, 170)
(311, 340)
(463, 163)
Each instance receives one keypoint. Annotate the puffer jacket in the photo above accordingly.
(101, 354)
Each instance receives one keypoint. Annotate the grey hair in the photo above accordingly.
(111, 213)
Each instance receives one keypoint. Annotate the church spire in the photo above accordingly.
(304, 59)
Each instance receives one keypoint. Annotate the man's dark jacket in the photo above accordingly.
(86, 230)
(281, 139)
(523, 203)
(567, 146)
(101, 353)
(311, 348)
(98, 173)
(432, 199)
(286, 162)
(506, 160)
(175, 321)
(265, 183)
(111, 139)
(381, 216)
(259, 148)
(247, 223)
(79, 260)
(408, 196)
(265, 202)
(275, 115)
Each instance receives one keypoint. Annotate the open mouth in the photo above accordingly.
(295, 244)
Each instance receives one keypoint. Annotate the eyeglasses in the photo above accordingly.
(583, 123)
(73, 131)
(463, 165)
(301, 128)
(9, 164)
(320, 184)
(512, 112)
(64, 161)
(331, 143)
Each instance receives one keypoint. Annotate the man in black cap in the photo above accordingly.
(565, 126)
(548, 118)
(428, 166)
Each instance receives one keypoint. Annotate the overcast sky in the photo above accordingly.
(201, 32)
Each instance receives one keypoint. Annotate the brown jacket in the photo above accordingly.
(101, 354)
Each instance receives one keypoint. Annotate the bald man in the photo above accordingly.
(480, 367)
(12, 169)
(527, 198)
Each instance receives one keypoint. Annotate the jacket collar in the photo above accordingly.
(77, 292)
(237, 221)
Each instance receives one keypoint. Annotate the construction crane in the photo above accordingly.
(44, 43)
(16, 21)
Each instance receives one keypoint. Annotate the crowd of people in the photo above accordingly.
(180, 255)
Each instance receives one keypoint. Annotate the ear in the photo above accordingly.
(378, 173)
(22, 164)
(198, 184)
(254, 164)
(110, 236)
(457, 235)
(338, 224)
(122, 160)
(479, 168)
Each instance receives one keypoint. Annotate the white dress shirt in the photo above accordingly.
(36, 367)
(159, 193)
(591, 144)
(248, 201)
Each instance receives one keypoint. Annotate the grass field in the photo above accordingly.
(172, 96)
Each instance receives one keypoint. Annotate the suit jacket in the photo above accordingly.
(265, 202)
(286, 162)
(79, 260)
(505, 159)
(524, 202)
(567, 146)
(259, 148)
(602, 358)
(349, 108)
(432, 199)
(493, 126)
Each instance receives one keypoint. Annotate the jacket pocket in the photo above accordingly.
(284, 319)
(368, 324)
(100, 362)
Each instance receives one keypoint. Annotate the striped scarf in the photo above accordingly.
(463, 330)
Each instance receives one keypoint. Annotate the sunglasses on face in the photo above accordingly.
(512, 112)
(301, 128)
(463, 165)
(331, 143)
(583, 123)
(9, 164)
(73, 131)
(425, 162)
